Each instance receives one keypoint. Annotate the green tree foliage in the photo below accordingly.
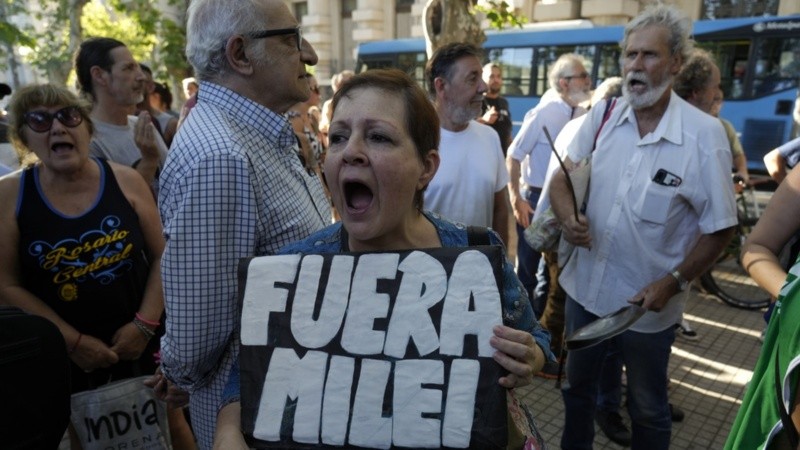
(61, 25)
(102, 20)
(499, 14)
(167, 56)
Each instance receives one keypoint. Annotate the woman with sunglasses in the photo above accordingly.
(80, 240)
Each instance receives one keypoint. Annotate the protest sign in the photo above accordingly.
(372, 350)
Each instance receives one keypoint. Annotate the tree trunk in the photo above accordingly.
(446, 21)
(58, 73)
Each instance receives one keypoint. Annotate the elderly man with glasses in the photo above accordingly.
(527, 161)
(232, 187)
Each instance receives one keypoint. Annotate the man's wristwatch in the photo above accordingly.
(683, 283)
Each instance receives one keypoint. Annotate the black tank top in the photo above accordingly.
(90, 269)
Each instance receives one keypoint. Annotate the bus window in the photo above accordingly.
(731, 58)
(375, 63)
(413, 64)
(769, 74)
(516, 66)
(790, 59)
(609, 63)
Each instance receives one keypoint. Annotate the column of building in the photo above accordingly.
(416, 18)
(318, 31)
(371, 21)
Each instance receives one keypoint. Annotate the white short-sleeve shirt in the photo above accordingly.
(641, 229)
(530, 146)
(472, 170)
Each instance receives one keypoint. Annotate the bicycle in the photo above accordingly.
(727, 279)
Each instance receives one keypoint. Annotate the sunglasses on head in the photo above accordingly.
(41, 121)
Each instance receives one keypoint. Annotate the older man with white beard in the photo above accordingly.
(659, 211)
(529, 156)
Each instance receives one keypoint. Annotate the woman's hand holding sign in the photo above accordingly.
(518, 353)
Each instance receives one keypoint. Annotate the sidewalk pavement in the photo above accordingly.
(708, 378)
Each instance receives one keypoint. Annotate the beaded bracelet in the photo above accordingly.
(75, 345)
(147, 322)
(147, 332)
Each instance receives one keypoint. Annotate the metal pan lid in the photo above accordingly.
(605, 327)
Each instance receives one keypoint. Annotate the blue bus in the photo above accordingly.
(758, 57)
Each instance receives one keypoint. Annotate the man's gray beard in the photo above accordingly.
(650, 97)
(577, 97)
(463, 115)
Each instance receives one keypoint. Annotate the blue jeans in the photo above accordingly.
(527, 257)
(645, 356)
(609, 392)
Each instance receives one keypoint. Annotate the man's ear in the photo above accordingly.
(676, 63)
(438, 84)
(98, 76)
(236, 54)
(563, 83)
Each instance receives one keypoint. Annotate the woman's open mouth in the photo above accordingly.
(61, 147)
(358, 196)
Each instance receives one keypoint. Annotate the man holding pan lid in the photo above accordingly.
(657, 216)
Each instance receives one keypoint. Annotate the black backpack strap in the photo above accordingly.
(788, 425)
(477, 236)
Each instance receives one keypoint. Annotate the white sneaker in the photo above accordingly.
(686, 331)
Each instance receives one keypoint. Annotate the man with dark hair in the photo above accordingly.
(470, 186)
(657, 216)
(233, 186)
(495, 111)
(112, 79)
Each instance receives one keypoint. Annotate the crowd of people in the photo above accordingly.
(124, 222)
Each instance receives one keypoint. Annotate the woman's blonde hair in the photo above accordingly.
(25, 99)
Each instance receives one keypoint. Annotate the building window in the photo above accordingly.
(403, 6)
(348, 6)
(721, 9)
(300, 10)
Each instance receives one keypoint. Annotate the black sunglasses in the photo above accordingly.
(298, 33)
(41, 121)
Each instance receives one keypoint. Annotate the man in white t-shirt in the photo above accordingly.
(659, 211)
(110, 76)
(470, 185)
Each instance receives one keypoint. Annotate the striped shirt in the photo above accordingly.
(232, 187)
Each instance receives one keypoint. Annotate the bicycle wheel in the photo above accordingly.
(728, 280)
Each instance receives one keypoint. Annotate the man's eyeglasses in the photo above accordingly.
(580, 76)
(41, 121)
(298, 33)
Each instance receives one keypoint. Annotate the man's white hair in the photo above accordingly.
(564, 66)
(209, 26)
(669, 17)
